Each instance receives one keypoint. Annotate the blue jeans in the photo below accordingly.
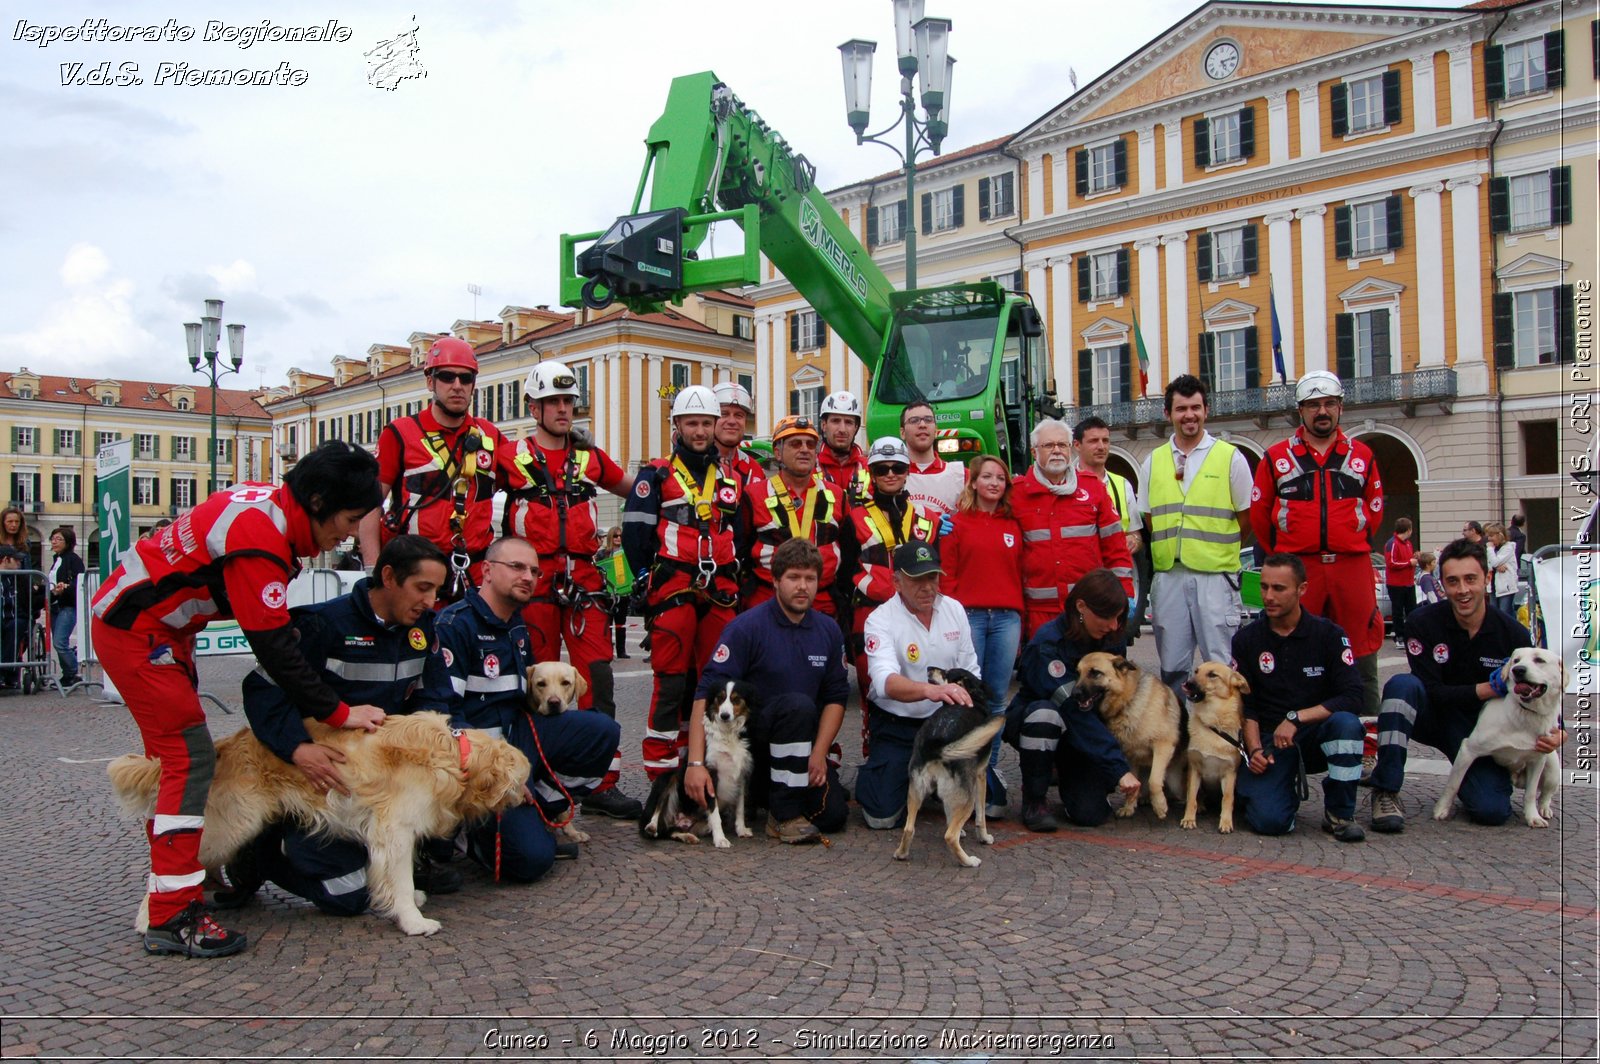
(996, 634)
(61, 626)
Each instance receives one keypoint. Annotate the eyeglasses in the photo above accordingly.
(449, 377)
(1054, 446)
(920, 419)
(895, 470)
(520, 568)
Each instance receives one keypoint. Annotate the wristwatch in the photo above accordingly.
(1293, 717)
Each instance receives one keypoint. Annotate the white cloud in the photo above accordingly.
(237, 276)
(90, 327)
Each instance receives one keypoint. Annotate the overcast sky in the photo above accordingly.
(334, 214)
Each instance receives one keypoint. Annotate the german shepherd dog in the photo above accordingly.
(950, 756)
(1143, 714)
(669, 812)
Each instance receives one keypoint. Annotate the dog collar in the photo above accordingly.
(465, 744)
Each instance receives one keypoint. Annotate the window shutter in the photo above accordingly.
(1500, 204)
(1085, 377)
(1341, 232)
(1381, 351)
(1083, 278)
(1555, 59)
(984, 208)
(13, 439)
(55, 489)
(822, 334)
(1080, 171)
(900, 207)
(155, 491)
(1252, 251)
(794, 333)
(1202, 256)
(1594, 46)
(55, 441)
(959, 205)
(1208, 361)
(927, 213)
(1202, 143)
(1391, 97)
(1561, 196)
(1247, 132)
(1125, 378)
(1252, 358)
(1494, 72)
(173, 485)
(1566, 337)
(1124, 272)
(1344, 345)
(1339, 108)
(872, 228)
(1504, 331)
(1119, 163)
(794, 401)
(1394, 222)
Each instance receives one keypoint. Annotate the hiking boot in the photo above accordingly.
(1369, 762)
(1387, 816)
(431, 877)
(613, 803)
(566, 851)
(193, 933)
(1036, 816)
(796, 831)
(1342, 829)
(244, 877)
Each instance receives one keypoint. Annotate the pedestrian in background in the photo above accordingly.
(14, 534)
(613, 566)
(64, 573)
(1503, 576)
(1400, 576)
(1428, 589)
(1518, 535)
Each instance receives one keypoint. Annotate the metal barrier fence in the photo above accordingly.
(26, 663)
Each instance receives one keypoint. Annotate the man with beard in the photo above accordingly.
(735, 409)
(437, 470)
(841, 459)
(1069, 526)
(678, 529)
(934, 484)
(793, 656)
(795, 504)
(1318, 495)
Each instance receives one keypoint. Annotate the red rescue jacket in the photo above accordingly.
(1303, 503)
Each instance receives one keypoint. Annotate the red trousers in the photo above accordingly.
(682, 638)
(1343, 591)
(155, 675)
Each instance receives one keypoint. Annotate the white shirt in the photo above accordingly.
(1239, 480)
(936, 492)
(898, 643)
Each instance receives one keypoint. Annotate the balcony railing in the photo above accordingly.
(1426, 385)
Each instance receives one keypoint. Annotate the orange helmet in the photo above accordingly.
(793, 426)
(450, 353)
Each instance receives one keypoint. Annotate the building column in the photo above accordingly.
(1310, 122)
(1147, 159)
(652, 384)
(1173, 131)
(635, 367)
(1430, 275)
(1277, 127)
(1150, 306)
(1280, 252)
(1035, 193)
(1472, 373)
(763, 368)
(1461, 84)
(604, 396)
(1177, 320)
(1314, 286)
(1422, 89)
(1059, 325)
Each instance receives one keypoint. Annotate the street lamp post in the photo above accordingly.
(922, 45)
(202, 338)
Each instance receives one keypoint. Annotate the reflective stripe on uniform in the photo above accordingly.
(167, 823)
(494, 683)
(169, 884)
(790, 779)
(374, 671)
(1335, 747)
(1039, 592)
(790, 749)
(348, 883)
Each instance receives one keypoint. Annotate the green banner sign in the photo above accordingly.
(113, 498)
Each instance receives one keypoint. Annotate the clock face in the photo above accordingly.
(1222, 60)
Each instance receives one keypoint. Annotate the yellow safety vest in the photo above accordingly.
(1200, 529)
(1121, 495)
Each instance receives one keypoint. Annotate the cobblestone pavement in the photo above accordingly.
(1131, 941)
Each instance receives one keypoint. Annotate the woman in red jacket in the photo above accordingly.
(983, 567)
(1400, 576)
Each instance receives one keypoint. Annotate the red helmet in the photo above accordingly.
(450, 353)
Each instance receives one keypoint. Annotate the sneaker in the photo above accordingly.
(193, 933)
(431, 877)
(1342, 829)
(994, 811)
(566, 851)
(1387, 816)
(1369, 762)
(613, 803)
(244, 877)
(1036, 816)
(796, 831)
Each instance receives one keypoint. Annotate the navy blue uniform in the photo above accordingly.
(796, 667)
(483, 684)
(1050, 730)
(1437, 704)
(365, 660)
(1312, 665)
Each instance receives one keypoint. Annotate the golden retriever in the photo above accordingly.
(1216, 701)
(555, 687)
(1143, 715)
(413, 778)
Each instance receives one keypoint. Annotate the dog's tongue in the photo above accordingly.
(1529, 690)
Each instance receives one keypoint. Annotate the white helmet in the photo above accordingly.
(888, 449)
(548, 380)
(732, 393)
(696, 399)
(841, 403)
(1318, 384)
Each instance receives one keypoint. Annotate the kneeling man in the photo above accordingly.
(1305, 694)
(793, 655)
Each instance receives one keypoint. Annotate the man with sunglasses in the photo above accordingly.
(438, 470)
(796, 504)
(553, 476)
(935, 485)
(1194, 493)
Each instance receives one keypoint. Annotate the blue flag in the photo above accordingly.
(1277, 336)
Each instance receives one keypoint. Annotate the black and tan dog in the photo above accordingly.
(950, 757)
(1142, 713)
(1216, 726)
(669, 812)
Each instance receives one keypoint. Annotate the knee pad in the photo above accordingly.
(604, 687)
(202, 766)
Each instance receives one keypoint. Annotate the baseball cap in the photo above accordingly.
(917, 558)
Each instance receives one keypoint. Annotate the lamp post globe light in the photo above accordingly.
(922, 51)
(202, 338)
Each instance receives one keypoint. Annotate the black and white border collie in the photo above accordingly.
(669, 812)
